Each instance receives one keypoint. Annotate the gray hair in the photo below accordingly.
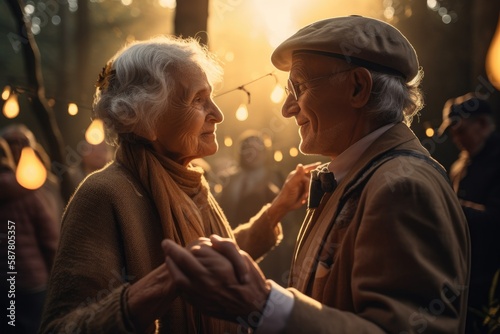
(135, 87)
(393, 100)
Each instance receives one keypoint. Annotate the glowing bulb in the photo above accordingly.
(6, 93)
(432, 4)
(72, 109)
(277, 94)
(170, 4)
(95, 132)
(268, 142)
(11, 106)
(30, 172)
(294, 152)
(492, 64)
(429, 131)
(218, 188)
(278, 156)
(228, 141)
(242, 112)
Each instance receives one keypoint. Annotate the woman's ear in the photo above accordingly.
(142, 132)
(361, 81)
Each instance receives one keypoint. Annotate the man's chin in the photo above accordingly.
(307, 149)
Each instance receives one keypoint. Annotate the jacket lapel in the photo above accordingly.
(319, 221)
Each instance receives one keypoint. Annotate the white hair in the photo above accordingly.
(394, 100)
(140, 80)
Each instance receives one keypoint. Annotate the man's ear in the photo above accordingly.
(361, 81)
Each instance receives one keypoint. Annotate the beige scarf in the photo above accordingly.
(185, 205)
(186, 208)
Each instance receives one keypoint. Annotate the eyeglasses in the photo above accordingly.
(294, 88)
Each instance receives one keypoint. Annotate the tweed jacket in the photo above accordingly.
(111, 238)
(393, 257)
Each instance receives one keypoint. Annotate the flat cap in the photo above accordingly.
(363, 41)
(465, 106)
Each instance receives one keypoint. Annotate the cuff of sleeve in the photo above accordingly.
(277, 310)
(125, 311)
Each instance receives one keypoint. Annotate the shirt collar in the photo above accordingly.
(341, 165)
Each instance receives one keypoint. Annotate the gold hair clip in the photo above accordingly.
(105, 77)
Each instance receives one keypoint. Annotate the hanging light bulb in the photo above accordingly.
(278, 156)
(6, 93)
(429, 130)
(11, 106)
(277, 94)
(30, 172)
(492, 57)
(72, 109)
(170, 4)
(228, 141)
(242, 112)
(268, 142)
(95, 132)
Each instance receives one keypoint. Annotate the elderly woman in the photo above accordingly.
(155, 98)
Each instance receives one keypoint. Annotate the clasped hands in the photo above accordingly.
(223, 281)
(214, 275)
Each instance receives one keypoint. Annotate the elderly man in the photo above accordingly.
(476, 180)
(385, 249)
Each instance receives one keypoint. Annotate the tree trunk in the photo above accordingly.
(191, 18)
(43, 112)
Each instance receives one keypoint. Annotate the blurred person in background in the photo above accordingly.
(475, 176)
(28, 223)
(247, 187)
(19, 136)
(253, 183)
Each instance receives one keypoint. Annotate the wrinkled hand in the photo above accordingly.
(294, 192)
(150, 297)
(219, 278)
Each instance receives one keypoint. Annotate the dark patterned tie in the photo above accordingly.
(322, 181)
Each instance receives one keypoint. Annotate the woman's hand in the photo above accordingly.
(149, 298)
(294, 192)
(219, 278)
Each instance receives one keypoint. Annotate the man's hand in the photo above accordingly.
(217, 277)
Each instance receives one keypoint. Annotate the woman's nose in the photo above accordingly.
(215, 112)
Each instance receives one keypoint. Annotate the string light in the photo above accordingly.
(268, 142)
(95, 132)
(294, 152)
(242, 87)
(170, 4)
(278, 156)
(11, 106)
(277, 94)
(228, 141)
(429, 130)
(30, 172)
(242, 112)
(492, 64)
(72, 109)
(218, 188)
(6, 93)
